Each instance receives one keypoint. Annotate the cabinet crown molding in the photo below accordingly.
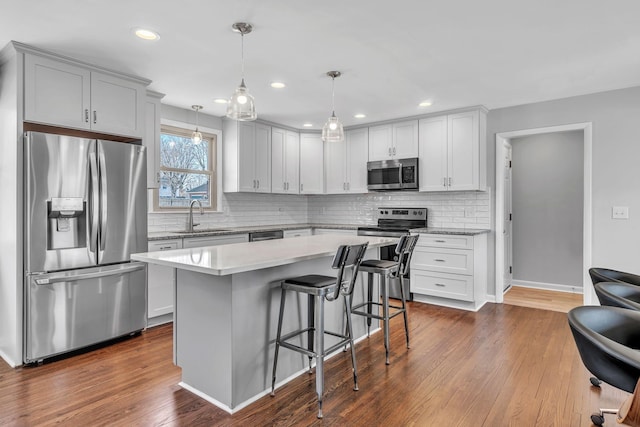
(25, 48)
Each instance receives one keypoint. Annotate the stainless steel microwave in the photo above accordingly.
(390, 175)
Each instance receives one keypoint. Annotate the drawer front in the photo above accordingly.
(443, 285)
(457, 261)
(446, 241)
(165, 245)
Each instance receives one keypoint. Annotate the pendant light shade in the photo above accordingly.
(241, 105)
(332, 131)
(196, 136)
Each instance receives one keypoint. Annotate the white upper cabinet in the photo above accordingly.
(452, 152)
(393, 141)
(346, 163)
(311, 164)
(151, 138)
(247, 157)
(60, 93)
(285, 161)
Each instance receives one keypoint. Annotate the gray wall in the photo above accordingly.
(615, 116)
(547, 177)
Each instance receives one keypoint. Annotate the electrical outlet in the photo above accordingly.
(620, 212)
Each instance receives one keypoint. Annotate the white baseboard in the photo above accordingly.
(9, 360)
(548, 286)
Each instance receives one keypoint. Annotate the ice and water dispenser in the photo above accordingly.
(67, 225)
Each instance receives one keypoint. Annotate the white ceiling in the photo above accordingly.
(393, 54)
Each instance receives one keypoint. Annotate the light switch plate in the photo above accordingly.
(620, 212)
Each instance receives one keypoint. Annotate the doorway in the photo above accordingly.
(504, 227)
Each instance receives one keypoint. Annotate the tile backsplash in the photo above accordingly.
(468, 209)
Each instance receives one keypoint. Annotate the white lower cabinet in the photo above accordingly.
(297, 233)
(160, 279)
(160, 283)
(450, 270)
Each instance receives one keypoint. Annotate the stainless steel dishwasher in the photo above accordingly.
(265, 235)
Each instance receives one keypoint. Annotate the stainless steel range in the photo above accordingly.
(396, 222)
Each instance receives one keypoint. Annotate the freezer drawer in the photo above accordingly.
(73, 309)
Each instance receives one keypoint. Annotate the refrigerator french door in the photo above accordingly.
(85, 213)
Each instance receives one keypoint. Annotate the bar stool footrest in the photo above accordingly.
(354, 310)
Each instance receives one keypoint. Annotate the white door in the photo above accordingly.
(508, 218)
(356, 166)
(246, 156)
(380, 141)
(334, 166)
(311, 164)
(433, 154)
(405, 140)
(262, 161)
(56, 93)
(464, 151)
(117, 105)
(292, 162)
(278, 141)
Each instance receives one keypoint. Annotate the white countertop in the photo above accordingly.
(241, 257)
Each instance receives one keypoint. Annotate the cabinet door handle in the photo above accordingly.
(394, 151)
(439, 260)
(444, 182)
(86, 115)
(449, 181)
(95, 117)
(389, 150)
(257, 183)
(441, 285)
(440, 241)
(344, 186)
(164, 248)
(301, 187)
(348, 186)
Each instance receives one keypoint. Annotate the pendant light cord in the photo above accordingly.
(242, 52)
(333, 96)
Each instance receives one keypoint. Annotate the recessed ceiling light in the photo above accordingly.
(220, 101)
(425, 104)
(308, 125)
(360, 116)
(277, 85)
(145, 34)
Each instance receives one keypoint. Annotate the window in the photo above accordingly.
(187, 170)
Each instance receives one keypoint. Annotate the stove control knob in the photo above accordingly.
(386, 212)
(381, 212)
(415, 212)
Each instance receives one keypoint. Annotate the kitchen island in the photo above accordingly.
(226, 311)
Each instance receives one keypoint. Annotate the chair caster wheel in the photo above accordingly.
(597, 419)
(595, 382)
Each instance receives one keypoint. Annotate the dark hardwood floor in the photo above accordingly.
(503, 366)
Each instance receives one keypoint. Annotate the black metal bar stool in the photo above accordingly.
(387, 270)
(318, 288)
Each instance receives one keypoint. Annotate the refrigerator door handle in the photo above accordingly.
(103, 197)
(119, 271)
(95, 203)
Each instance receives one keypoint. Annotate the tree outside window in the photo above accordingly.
(186, 170)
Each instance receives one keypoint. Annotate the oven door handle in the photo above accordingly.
(400, 175)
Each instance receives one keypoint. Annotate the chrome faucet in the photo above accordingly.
(190, 223)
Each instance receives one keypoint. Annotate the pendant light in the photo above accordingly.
(241, 105)
(196, 136)
(333, 130)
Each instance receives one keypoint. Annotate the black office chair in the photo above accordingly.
(608, 339)
(617, 294)
(607, 275)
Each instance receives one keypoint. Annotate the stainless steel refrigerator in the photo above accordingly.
(85, 214)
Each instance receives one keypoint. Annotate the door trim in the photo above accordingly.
(589, 296)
